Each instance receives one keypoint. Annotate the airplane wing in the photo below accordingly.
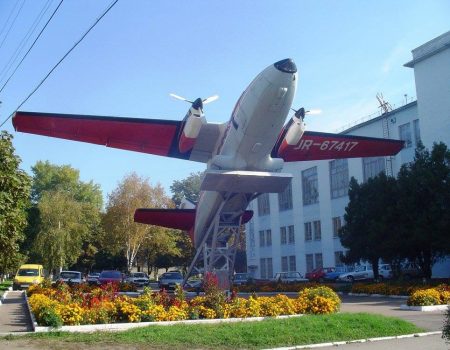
(153, 136)
(319, 146)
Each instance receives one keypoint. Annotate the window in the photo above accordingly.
(337, 258)
(263, 204)
(308, 231)
(338, 178)
(285, 198)
(373, 166)
(262, 241)
(336, 226)
(291, 234)
(319, 261)
(283, 239)
(268, 238)
(292, 263)
(416, 127)
(269, 268)
(317, 230)
(284, 264)
(309, 262)
(404, 133)
(262, 264)
(310, 186)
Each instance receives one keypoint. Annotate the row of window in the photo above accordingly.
(289, 263)
(313, 230)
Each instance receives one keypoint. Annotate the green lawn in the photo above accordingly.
(4, 286)
(254, 335)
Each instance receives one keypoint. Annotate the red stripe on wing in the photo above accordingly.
(152, 136)
(319, 146)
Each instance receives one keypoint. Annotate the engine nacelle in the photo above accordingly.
(293, 134)
(192, 125)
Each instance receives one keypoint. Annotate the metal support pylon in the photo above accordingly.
(218, 246)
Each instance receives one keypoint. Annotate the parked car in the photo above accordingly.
(110, 276)
(319, 273)
(241, 278)
(332, 276)
(365, 272)
(27, 275)
(169, 280)
(289, 277)
(92, 278)
(410, 270)
(139, 279)
(70, 277)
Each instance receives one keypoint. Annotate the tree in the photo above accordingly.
(15, 187)
(369, 221)
(188, 188)
(63, 206)
(121, 232)
(424, 203)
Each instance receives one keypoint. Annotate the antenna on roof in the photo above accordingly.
(384, 105)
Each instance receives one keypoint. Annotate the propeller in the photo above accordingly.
(300, 113)
(198, 103)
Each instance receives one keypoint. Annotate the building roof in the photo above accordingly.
(385, 115)
(429, 49)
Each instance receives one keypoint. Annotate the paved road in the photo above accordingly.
(14, 315)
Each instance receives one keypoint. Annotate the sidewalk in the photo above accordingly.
(14, 315)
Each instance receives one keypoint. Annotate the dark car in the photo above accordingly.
(170, 280)
(319, 273)
(241, 278)
(110, 276)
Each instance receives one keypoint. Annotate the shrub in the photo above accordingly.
(424, 297)
(48, 317)
(319, 300)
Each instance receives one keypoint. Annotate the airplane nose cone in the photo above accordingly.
(287, 66)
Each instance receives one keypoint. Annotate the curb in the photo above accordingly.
(3, 297)
(378, 295)
(369, 340)
(114, 327)
(33, 320)
(428, 308)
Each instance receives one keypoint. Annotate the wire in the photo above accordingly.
(62, 59)
(9, 17)
(24, 40)
(12, 23)
(23, 58)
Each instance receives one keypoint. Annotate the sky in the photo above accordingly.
(346, 52)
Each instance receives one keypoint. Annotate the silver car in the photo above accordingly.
(71, 277)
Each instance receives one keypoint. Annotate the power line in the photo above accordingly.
(34, 42)
(24, 40)
(9, 17)
(12, 23)
(62, 59)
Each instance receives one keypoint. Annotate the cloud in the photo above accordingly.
(393, 59)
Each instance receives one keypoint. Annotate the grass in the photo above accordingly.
(249, 335)
(4, 286)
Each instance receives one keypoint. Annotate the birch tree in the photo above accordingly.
(121, 232)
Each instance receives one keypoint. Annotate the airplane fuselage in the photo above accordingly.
(249, 138)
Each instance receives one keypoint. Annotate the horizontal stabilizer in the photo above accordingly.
(180, 219)
(245, 181)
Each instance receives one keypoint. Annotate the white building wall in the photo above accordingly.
(432, 111)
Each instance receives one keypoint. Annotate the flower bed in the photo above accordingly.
(393, 289)
(61, 304)
(439, 295)
(279, 287)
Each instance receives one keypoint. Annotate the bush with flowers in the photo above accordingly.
(439, 295)
(69, 305)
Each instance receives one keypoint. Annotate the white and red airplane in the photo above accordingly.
(244, 156)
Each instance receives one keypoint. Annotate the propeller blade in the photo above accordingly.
(180, 98)
(210, 99)
(314, 111)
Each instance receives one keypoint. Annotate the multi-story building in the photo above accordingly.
(297, 230)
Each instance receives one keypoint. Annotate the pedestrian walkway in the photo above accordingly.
(14, 316)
